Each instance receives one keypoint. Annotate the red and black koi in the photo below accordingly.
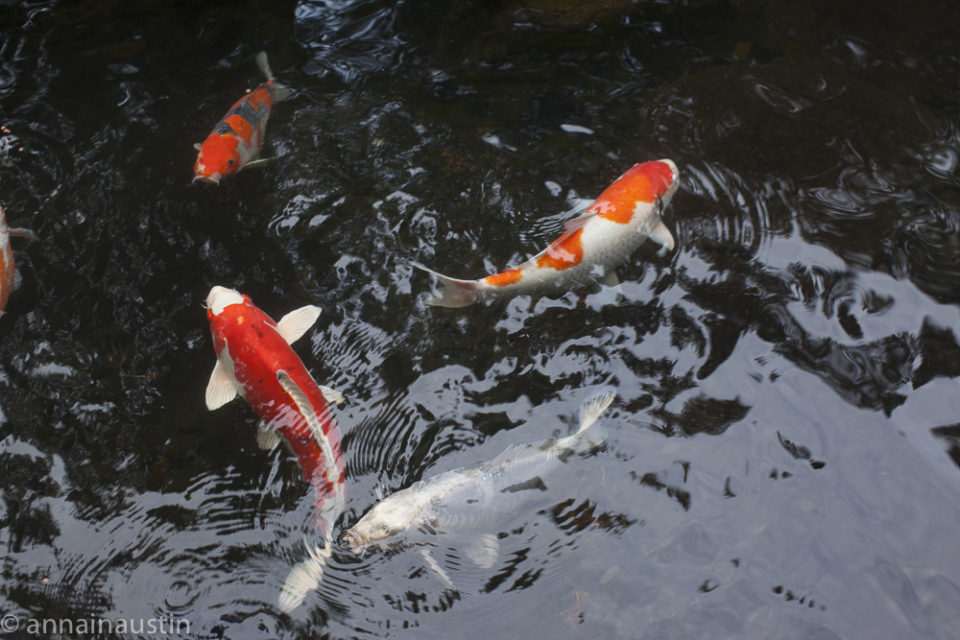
(236, 141)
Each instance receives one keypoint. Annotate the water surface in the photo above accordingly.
(781, 460)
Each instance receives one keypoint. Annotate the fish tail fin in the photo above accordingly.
(304, 577)
(278, 91)
(593, 408)
(453, 292)
(590, 410)
(264, 65)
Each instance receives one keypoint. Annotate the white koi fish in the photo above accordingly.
(448, 501)
(620, 219)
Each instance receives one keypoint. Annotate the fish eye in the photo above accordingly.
(385, 529)
(230, 161)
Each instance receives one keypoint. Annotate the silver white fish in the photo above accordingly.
(446, 501)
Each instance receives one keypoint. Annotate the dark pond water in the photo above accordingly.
(781, 460)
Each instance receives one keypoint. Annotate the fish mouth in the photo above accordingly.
(213, 178)
(354, 541)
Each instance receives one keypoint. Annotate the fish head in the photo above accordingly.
(220, 302)
(640, 194)
(218, 157)
(388, 518)
(672, 179)
(650, 181)
(220, 298)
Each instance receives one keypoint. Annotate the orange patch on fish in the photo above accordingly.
(641, 183)
(565, 252)
(261, 98)
(504, 278)
(241, 127)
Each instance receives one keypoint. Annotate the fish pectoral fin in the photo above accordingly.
(331, 395)
(483, 551)
(296, 323)
(662, 236)
(221, 389)
(610, 278)
(267, 437)
(197, 146)
(259, 162)
(20, 232)
(433, 564)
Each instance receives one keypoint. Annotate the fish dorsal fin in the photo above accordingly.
(296, 323)
(305, 408)
(300, 399)
(221, 389)
(579, 222)
(662, 236)
(512, 453)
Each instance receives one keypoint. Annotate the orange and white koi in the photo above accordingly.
(255, 360)
(623, 216)
(8, 270)
(236, 141)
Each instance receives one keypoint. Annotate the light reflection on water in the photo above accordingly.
(775, 463)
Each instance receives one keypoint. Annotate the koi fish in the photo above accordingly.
(255, 360)
(236, 141)
(8, 271)
(458, 498)
(619, 220)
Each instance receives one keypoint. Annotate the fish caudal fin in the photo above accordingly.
(593, 408)
(453, 292)
(590, 410)
(304, 577)
(277, 91)
(264, 65)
